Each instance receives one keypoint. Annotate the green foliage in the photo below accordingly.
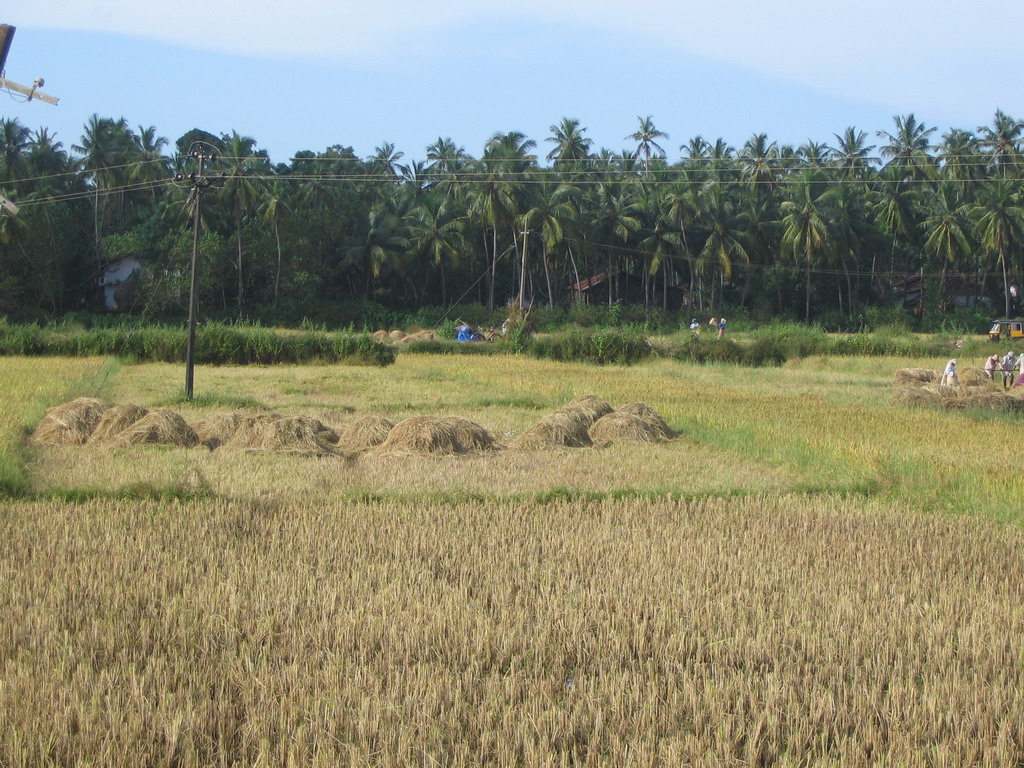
(713, 350)
(216, 344)
(620, 346)
(452, 347)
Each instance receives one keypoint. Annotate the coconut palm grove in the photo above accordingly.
(902, 220)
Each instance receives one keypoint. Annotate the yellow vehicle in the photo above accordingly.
(1006, 330)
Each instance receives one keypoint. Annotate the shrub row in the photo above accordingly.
(216, 344)
(622, 346)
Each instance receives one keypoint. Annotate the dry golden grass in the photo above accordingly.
(785, 630)
(773, 588)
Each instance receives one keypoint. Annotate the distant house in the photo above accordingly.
(119, 280)
(958, 290)
(626, 287)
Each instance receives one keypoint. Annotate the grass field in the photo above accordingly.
(809, 575)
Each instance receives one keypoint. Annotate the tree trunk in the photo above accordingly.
(238, 232)
(277, 277)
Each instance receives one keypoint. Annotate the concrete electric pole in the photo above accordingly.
(199, 182)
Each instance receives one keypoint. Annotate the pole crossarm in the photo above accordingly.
(24, 90)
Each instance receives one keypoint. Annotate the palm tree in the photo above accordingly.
(726, 227)
(275, 211)
(615, 218)
(806, 233)
(384, 244)
(959, 156)
(104, 147)
(947, 230)
(847, 210)
(240, 190)
(385, 161)
(683, 210)
(15, 140)
(572, 149)
(696, 151)
(1002, 140)
(149, 164)
(908, 146)
(758, 157)
(852, 152)
(999, 226)
(646, 136)
(435, 229)
(548, 216)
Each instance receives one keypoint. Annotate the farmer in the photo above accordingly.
(721, 328)
(465, 332)
(949, 377)
(695, 327)
(1009, 362)
(991, 363)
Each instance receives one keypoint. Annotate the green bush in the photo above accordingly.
(621, 346)
(216, 344)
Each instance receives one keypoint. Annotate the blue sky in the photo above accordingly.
(317, 73)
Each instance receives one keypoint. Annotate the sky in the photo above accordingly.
(309, 74)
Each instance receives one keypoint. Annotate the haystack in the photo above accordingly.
(70, 423)
(470, 435)
(380, 336)
(115, 420)
(563, 429)
(272, 432)
(364, 433)
(218, 429)
(647, 414)
(396, 335)
(592, 406)
(161, 426)
(621, 427)
(292, 435)
(975, 377)
(419, 336)
(421, 434)
(916, 376)
(955, 399)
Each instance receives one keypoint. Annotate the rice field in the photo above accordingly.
(810, 574)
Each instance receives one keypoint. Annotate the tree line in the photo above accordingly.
(819, 230)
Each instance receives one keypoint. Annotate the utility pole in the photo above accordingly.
(6, 38)
(522, 271)
(199, 183)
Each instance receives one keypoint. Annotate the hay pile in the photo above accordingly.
(471, 436)
(70, 423)
(364, 433)
(562, 429)
(916, 376)
(647, 414)
(619, 427)
(161, 426)
(958, 399)
(218, 429)
(115, 420)
(421, 434)
(975, 377)
(271, 432)
(576, 426)
(419, 336)
(591, 406)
